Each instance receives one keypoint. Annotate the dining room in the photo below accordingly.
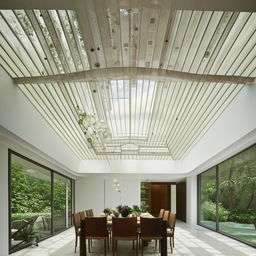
(139, 106)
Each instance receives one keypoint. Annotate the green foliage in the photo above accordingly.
(125, 210)
(243, 216)
(31, 195)
(208, 211)
(108, 211)
(209, 192)
(28, 194)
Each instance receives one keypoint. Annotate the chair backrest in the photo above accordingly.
(82, 215)
(172, 220)
(166, 216)
(124, 227)
(76, 220)
(89, 213)
(161, 213)
(96, 226)
(151, 227)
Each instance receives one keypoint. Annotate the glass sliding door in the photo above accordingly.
(232, 211)
(62, 203)
(238, 195)
(40, 202)
(30, 208)
(208, 199)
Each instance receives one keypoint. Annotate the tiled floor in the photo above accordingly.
(189, 241)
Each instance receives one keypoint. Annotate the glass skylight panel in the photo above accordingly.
(132, 106)
(62, 39)
(43, 42)
(13, 34)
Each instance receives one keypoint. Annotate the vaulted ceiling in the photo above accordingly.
(159, 76)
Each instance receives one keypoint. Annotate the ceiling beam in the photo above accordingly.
(106, 74)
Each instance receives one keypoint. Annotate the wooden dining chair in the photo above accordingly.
(96, 228)
(151, 229)
(171, 228)
(77, 225)
(161, 213)
(89, 213)
(82, 215)
(124, 229)
(166, 218)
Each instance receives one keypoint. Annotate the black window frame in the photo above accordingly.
(52, 172)
(217, 198)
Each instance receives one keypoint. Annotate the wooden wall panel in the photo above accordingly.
(181, 201)
(160, 198)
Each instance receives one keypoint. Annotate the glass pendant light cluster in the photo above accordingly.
(116, 185)
(94, 130)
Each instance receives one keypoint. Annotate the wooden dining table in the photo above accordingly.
(109, 223)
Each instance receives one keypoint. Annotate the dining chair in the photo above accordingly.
(151, 229)
(82, 215)
(77, 224)
(166, 218)
(96, 228)
(89, 213)
(171, 228)
(124, 229)
(161, 213)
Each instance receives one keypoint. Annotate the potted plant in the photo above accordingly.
(136, 211)
(125, 211)
(116, 213)
(108, 211)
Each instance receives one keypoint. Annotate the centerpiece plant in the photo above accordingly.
(124, 210)
(136, 211)
(108, 211)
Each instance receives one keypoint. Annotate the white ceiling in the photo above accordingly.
(150, 118)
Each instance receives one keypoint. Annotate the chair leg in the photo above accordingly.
(89, 247)
(171, 243)
(105, 249)
(113, 246)
(137, 247)
(76, 244)
(142, 247)
(132, 244)
(108, 243)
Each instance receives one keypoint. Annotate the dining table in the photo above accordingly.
(109, 224)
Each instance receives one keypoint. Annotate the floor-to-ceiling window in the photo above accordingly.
(227, 197)
(40, 201)
(208, 198)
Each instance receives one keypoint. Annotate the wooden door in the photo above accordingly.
(181, 201)
(160, 198)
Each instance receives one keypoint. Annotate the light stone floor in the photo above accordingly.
(189, 241)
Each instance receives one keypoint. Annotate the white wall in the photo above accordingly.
(173, 198)
(4, 231)
(191, 184)
(232, 132)
(97, 192)
(89, 194)
(129, 195)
